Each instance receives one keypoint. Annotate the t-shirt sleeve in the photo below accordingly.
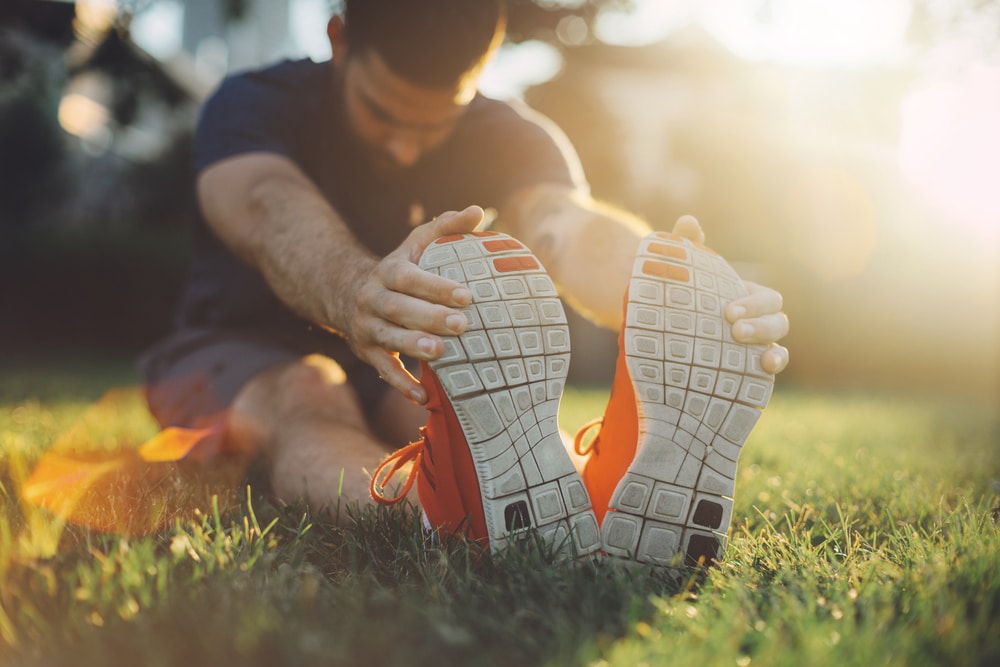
(541, 153)
(518, 147)
(247, 113)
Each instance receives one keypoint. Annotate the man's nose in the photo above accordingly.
(404, 149)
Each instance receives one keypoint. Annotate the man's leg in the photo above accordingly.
(308, 421)
(301, 412)
(396, 420)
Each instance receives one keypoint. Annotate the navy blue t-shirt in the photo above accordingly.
(294, 109)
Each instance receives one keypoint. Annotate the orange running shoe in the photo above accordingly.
(491, 460)
(661, 471)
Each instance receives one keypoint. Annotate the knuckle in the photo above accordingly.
(367, 297)
(391, 307)
(419, 238)
(384, 271)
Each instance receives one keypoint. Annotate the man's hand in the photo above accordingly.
(267, 211)
(756, 317)
(400, 308)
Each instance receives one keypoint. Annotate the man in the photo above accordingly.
(315, 184)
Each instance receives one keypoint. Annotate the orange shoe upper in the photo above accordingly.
(612, 450)
(447, 483)
(448, 486)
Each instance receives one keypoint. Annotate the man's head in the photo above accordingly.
(409, 68)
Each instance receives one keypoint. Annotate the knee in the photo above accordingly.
(310, 377)
(311, 387)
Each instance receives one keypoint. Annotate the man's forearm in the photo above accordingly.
(587, 247)
(280, 224)
(306, 252)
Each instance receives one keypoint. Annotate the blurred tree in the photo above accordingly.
(50, 22)
(548, 20)
(132, 208)
(977, 22)
(33, 172)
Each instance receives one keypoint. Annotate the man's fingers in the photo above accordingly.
(759, 330)
(392, 370)
(774, 359)
(689, 227)
(405, 277)
(405, 309)
(399, 271)
(759, 301)
(757, 317)
(416, 314)
(451, 222)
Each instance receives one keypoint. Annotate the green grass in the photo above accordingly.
(866, 535)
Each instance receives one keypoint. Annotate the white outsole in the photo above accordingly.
(698, 392)
(504, 377)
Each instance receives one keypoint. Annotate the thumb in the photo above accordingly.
(452, 222)
(456, 222)
(688, 227)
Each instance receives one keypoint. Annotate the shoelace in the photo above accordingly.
(578, 445)
(395, 461)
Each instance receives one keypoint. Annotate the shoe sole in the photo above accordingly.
(698, 394)
(504, 377)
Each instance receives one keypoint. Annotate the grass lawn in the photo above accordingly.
(866, 534)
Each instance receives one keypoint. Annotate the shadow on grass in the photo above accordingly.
(374, 591)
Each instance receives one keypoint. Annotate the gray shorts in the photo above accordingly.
(194, 374)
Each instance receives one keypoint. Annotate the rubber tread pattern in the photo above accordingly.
(504, 377)
(698, 392)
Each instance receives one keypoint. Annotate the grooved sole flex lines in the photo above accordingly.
(698, 392)
(504, 377)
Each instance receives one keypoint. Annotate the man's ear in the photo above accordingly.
(338, 39)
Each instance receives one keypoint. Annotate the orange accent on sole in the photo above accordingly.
(485, 233)
(508, 264)
(492, 444)
(668, 250)
(451, 238)
(668, 271)
(662, 470)
(502, 244)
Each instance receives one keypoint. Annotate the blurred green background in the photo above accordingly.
(846, 154)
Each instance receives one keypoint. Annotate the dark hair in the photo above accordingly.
(427, 42)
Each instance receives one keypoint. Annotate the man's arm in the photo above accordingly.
(272, 216)
(588, 249)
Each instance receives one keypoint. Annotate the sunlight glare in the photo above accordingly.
(950, 147)
(96, 14)
(307, 22)
(648, 22)
(810, 32)
(517, 67)
(81, 116)
(836, 233)
(158, 29)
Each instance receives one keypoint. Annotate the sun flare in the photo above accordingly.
(950, 148)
